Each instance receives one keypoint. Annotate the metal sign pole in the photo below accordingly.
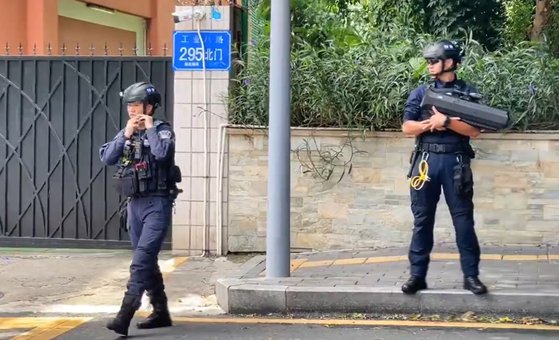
(279, 146)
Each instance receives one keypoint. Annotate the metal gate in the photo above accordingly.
(55, 112)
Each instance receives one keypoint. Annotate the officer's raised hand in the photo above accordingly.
(131, 127)
(147, 120)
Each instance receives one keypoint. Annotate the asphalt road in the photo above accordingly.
(216, 328)
(209, 331)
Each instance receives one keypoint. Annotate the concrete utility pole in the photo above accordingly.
(279, 146)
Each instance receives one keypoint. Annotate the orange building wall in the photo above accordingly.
(97, 35)
(32, 22)
(42, 24)
(160, 24)
(12, 31)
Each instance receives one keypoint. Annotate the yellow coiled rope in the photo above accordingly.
(418, 181)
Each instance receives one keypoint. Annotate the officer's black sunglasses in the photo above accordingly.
(432, 61)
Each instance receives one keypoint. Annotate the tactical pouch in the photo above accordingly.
(413, 159)
(143, 170)
(123, 212)
(414, 156)
(463, 179)
(126, 182)
(470, 152)
(175, 174)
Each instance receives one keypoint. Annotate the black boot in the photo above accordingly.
(413, 284)
(160, 316)
(473, 284)
(121, 322)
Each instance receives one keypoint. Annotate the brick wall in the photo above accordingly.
(516, 190)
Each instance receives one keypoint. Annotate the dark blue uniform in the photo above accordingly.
(149, 210)
(447, 151)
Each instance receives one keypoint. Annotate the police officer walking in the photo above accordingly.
(441, 159)
(146, 173)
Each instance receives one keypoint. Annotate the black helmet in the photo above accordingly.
(443, 49)
(141, 92)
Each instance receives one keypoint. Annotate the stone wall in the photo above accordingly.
(365, 200)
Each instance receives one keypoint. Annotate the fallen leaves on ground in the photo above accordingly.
(468, 316)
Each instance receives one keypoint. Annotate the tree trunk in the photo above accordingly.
(543, 14)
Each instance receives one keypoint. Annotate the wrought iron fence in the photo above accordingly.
(55, 112)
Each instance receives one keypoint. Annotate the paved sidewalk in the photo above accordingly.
(92, 281)
(521, 281)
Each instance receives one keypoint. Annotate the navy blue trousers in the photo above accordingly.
(424, 205)
(148, 219)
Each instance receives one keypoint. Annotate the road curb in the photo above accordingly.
(263, 296)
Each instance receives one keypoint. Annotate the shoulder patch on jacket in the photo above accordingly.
(165, 134)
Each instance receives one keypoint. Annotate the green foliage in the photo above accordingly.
(406, 13)
(552, 31)
(448, 18)
(367, 86)
(519, 16)
(320, 23)
(332, 88)
(522, 80)
(519, 21)
(363, 82)
(452, 18)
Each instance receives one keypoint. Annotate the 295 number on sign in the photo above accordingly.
(191, 54)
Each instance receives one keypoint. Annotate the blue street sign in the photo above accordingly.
(188, 51)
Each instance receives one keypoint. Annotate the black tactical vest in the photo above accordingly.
(139, 174)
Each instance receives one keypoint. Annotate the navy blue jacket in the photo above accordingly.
(413, 111)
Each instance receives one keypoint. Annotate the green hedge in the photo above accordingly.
(366, 86)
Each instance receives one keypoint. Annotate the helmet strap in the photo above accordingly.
(451, 69)
(443, 70)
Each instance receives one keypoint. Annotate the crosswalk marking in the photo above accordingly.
(43, 328)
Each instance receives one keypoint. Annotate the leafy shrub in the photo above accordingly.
(363, 82)
(522, 80)
(367, 86)
(519, 18)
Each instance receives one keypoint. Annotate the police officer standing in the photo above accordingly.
(441, 159)
(146, 173)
